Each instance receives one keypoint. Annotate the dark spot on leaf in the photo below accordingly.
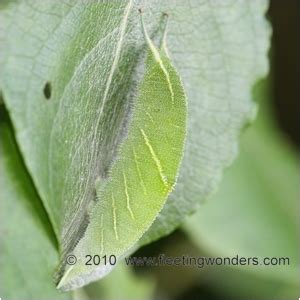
(47, 90)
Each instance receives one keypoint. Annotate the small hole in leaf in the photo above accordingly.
(47, 90)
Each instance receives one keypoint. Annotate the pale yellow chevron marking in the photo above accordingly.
(157, 57)
(155, 158)
(139, 172)
(150, 117)
(114, 209)
(127, 196)
(62, 281)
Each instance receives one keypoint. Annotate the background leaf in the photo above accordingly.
(130, 286)
(28, 247)
(254, 214)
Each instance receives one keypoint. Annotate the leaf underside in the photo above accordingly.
(69, 74)
(28, 250)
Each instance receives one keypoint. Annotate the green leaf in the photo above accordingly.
(69, 76)
(130, 286)
(254, 214)
(143, 175)
(28, 248)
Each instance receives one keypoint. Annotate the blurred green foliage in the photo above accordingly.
(255, 212)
